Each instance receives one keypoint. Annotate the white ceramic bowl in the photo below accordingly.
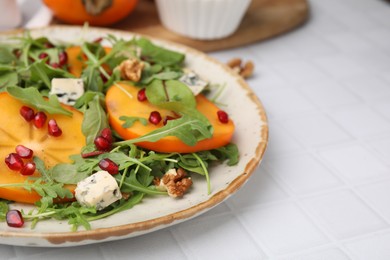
(202, 19)
(10, 15)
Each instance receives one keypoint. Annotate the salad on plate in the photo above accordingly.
(88, 130)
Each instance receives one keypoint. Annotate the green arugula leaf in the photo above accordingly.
(168, 75)
(130, 184)
(32, 97)
(121, 206)
(130, 120)
(158, 54)
(8, 78)
(3, 209)
(188, 130)
(95, 120)
(170, 93)
(228, 152)
(40, 166)
(68, 173)
(6, 55)
(40, 71)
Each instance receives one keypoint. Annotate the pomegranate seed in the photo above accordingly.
(40, 119)
(53, 128)
(17, 53)
(106, 133)
(223, 116)
(102, 144)
(62, 58)
(55, 65)
(104, 78)
(48, 45)
(28, 169)
(155, 117)
(27, 113)
(168, 118)
(14, 218)
(91, 154)
(14, 162)
(141, 96)
(109, 166)
(23, 151)
(43, 55)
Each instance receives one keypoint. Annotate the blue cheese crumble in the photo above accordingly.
(98, 190)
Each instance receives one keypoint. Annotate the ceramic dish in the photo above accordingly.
(159, 212)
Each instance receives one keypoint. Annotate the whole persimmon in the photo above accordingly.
(95, 12)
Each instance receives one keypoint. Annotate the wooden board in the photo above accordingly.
(264, 19)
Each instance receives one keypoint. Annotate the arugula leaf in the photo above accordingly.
(40, 166)
(6, 55)
(158, 54)
(3, 209)
(32, 97)
(130, 120)
(47, 190)
(188, 130)
(8, 78)
(121, 206)
(162, 76)
(88, 96)
(68, 173)
(162, 93)
(228, 152)
(176, 96)
(40, 71)
(131, 183)
(95, 120)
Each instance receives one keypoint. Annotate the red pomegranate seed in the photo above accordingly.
(55, 65)
(53, 128)
(40, 119)
(62, 58)
(104, 78)
(91, 154)
(141, 96)
(44, 55)
(109, 166)
(102, 144)
(23, 151)
(14, 218)
(155, 117)
(223, 116)
(17, 53)
(14, 162)
(106, 133)
(28, 169)
(27, 113)
(167, 118)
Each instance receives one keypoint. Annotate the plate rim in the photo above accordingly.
(58, 239)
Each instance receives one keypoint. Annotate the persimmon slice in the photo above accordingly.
(15, 130)
(121, 100)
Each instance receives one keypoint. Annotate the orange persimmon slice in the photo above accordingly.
(15, 130)
(121, 100)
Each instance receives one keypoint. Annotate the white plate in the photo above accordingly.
(159, 212)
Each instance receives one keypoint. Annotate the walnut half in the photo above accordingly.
(131, 69)
(174, 182)
(244, 70)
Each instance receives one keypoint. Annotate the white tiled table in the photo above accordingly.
(323, 189)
